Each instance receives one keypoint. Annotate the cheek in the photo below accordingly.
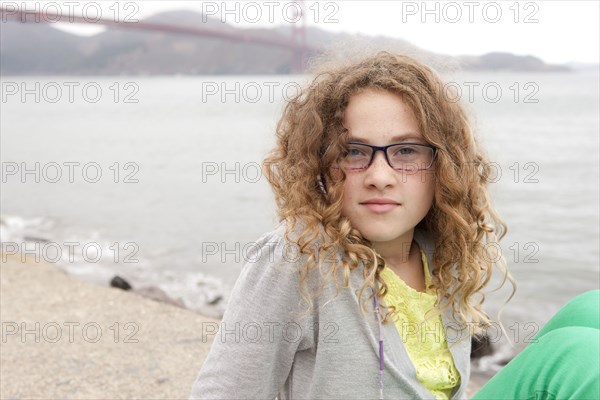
(350, 188)
(420, 191)
(429, 192)
(429, 186)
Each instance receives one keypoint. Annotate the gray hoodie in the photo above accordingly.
(264, 349)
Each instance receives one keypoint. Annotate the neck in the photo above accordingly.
(405, 261)
(398, 251)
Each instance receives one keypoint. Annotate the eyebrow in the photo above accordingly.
(395, 139)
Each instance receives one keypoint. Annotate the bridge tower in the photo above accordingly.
(298, 39)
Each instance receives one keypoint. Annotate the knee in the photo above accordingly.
(570, 343)
(585, 308)
(582, 310)
(586, 300)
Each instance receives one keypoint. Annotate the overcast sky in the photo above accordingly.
(556, 31)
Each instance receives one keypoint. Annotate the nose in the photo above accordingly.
(379, 174)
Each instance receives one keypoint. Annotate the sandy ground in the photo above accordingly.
(67, 339)
(92, 342)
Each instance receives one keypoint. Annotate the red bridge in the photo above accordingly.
(297, 43)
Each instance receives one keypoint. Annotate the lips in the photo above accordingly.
(380, 205)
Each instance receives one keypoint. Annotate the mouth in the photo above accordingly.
(380, 206)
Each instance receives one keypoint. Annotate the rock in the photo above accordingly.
(215, 300)
(481, 346)
(120, 283)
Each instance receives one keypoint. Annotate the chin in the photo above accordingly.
(379, 235)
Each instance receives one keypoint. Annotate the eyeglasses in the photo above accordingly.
(399, 156)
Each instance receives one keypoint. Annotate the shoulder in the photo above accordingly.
(285, 236)
(276, 249)
(274, 283)
(270, 254)
(276, 256)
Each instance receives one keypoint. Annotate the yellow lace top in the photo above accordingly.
(425, 342)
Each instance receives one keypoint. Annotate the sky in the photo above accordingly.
(556, 31)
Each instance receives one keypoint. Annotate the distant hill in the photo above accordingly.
(508, 61)
(40, 49)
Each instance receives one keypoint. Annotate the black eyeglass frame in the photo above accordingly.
(384, 150)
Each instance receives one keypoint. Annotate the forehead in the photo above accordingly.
(380, 116)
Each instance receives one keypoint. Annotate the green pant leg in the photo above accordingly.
(582, 310)
(563, 364)
(566, 362)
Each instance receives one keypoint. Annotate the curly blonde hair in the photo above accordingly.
(310, 140)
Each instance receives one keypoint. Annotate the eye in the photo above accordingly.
(356, 152)
(406, 151)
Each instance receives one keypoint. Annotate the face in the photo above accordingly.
(380, 118)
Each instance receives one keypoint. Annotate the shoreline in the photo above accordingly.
(66, 338)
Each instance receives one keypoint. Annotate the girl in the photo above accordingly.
(371, 286)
